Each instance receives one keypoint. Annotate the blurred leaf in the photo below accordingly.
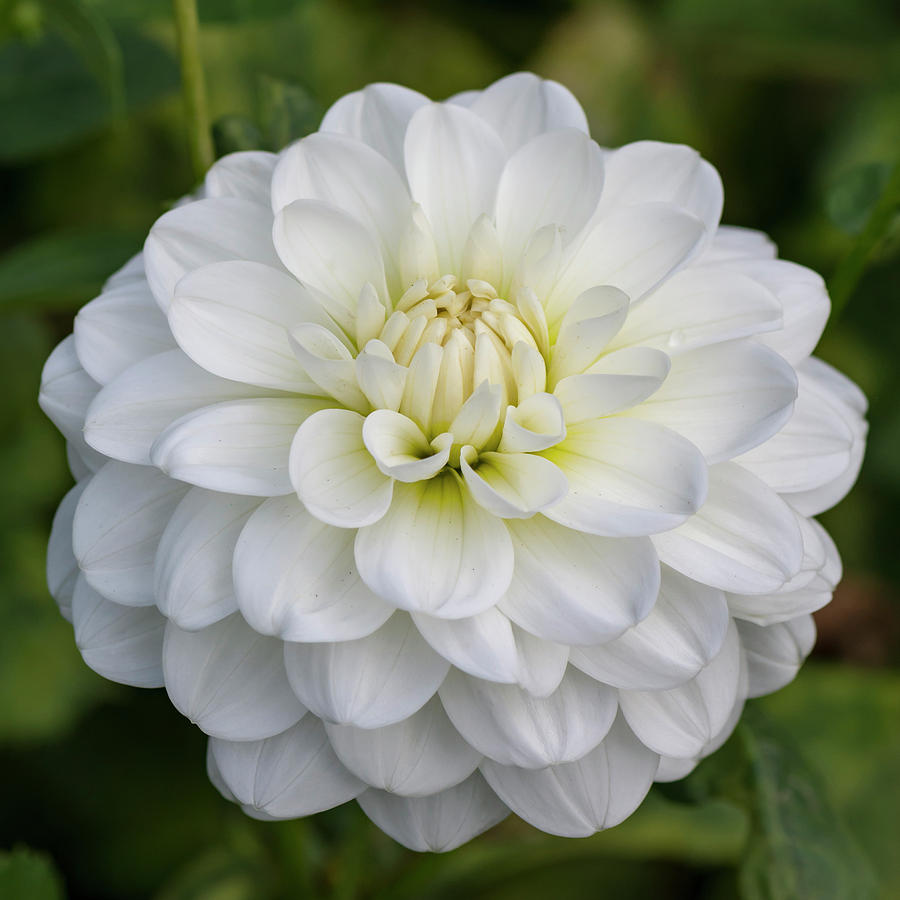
(49, 98)
(61, 270)
(26, 875)
(798, 846)
(223, 11)
(234, 133)
(220, 874)
(854, 195)
(287, 111)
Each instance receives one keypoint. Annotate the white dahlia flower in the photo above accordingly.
(449, 462)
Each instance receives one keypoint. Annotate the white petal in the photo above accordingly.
(731, 242)
(400, 449)
(478, 421)
(118, 523)
(437, 823)
(650, 170)
(700, 306)
(578, 588)
(725, 398)
(633, 249)
(240, 446)
(292, 774)
(229, 680)
(556, 178)
(542, 663)
(522, 106)
(371, 682)
(672, 769)
(512, 727)
(378, 115)
(233, 318)
(512, 485)
(436, 550)
(132, 410)
(627, 478)
(203, 232)
(334, 474)
(119, 328)
(246, 174)
(453, 162)
(66, 391)
(295, 577)
(588, 325)
(62, 567)
(578, 798)
(192, 580)
(330, 251)
(417, 757)
(379, 377)
(328, 362)
(775, 653)
(596, 394)
(121, 643)
(682, 720)
(535, 424)
(744, 539)
(682, 633)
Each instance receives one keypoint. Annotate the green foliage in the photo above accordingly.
(26, 875)
(854, 195)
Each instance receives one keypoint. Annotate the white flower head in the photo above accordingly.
(452, 463)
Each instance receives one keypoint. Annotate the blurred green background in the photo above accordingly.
(797, 102)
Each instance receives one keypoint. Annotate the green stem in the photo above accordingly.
(851, 269)
(193, 88)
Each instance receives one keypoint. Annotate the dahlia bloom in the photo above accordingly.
(449, 462)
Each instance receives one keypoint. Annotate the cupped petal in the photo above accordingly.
(192, 578)
(512, 485)
(246, 174)
(522, 106)
(420, 756)
(682, 633)
(596, 394)
(436, 550)
(479, 420)
(535, 424)
(239, 447)
(634, 249)
(118, 523)
(700, 306)
(680, 721)
(576, 799)
(651, 170)
(295, 773)
(512, 727)
(229, 680)
(295, 577)
(378, 115)
(744, 539)
(118, 329)
(437, 823)
(627, 478)
(327, 361)
(724, 398)
(400, 449)
(371, 682)
(775, 653)
(128, 415)
(121, 643)
(330, 251)
(202, 232)
(381, 379)
(334, 474)
(578, 588)
(556, 178)
(453, 163)
(233, 318)
(62, 567)
(732, 242)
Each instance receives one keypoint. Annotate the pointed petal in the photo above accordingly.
(512, 727)
(682, 633)
(437, 823)
(576, 799)
(192, 579)
(577, 588)
(371, 682)
(775, 653)
(334, 474)
(745, 538)
(596, 394)
(420, 756)
(292, 774)
(436, 551)
(295, 577)
(118, 523)
(246, 174)
(229, 680)
(535, 424)
(121, 643)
